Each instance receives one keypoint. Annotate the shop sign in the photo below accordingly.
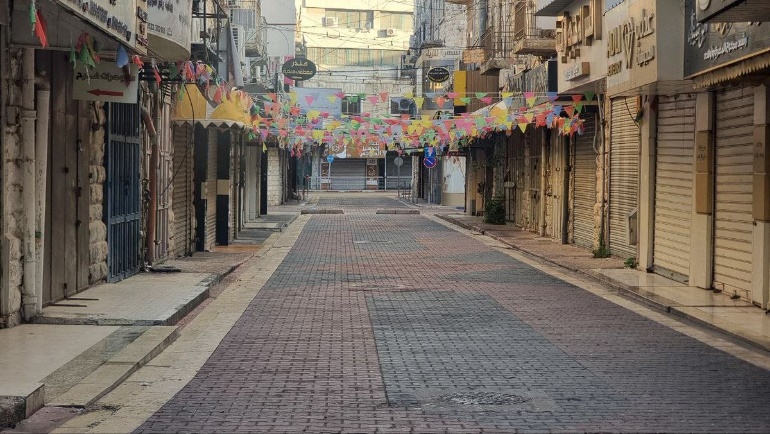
(126, 21)
(473, 55)
(580, 69)
(710, 45)
(299, 69)
(168, 27)
(631, 43)
(441, 53)
(582, 28)
(708, 8)
(438, 74)
(107, 83)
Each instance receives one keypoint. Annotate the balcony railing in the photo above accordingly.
(496, 45)
(528, 38)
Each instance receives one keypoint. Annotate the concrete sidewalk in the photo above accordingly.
(737, 318)
(82, 347)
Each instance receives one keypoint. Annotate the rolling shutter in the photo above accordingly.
(673, 186)
(624, 174)
(733, 220)
(183, 193)
(585, 185)
(211, 197)
(348, 174)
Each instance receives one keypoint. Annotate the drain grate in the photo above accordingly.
(484, 398)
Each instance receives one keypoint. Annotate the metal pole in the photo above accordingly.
(398, 180)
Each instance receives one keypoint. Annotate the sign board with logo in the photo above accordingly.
(580, 45)
(711, 45)
(299, 69)
(438, 74)
(107, 83)
(126, 21)
(168, 28)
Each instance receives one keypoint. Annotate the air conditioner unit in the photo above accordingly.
(390, 32)
(402, 106)
(330, 21)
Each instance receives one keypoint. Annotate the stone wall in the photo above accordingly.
(97, 269)
(274, 176)
(12, 188)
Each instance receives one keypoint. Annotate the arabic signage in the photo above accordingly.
(631, 40)
(168, 28)
(441, 53)
(126, 20)
(711, 45)
(580, 45)
(299, 69)
(107, 83)
(438, 74)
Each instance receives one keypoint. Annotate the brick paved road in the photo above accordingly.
(395, 323)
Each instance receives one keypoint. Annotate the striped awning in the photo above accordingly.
(732, 71)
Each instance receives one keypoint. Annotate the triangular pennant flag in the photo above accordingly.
(590, 96)
(121, 56)
(452, 95)
(383, 96)
(506, 95)
(523, 126)
(530, 98)
(570, 110)
(486, 100)
(579, 106)
(309, 99)
(408, 95)
(466, 99)
(372, 99)
(418, 101)
(440, 101)
(577, 98)
(552, 96)
(529, 116)
(332, 98)
(40, 26)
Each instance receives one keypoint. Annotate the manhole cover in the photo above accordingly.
(484, 398)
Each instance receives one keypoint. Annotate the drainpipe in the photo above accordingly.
(43, 97)
(153, 169)
(29, 298)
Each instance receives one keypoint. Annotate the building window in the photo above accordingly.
(351, 106)
(351, 19)
(395, 20)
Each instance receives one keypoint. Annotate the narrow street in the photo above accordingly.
(397, 323)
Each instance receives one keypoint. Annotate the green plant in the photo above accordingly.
(602, 251)
(494, 211)
(630, 262)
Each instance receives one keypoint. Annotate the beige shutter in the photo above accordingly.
(673, 186)
(348, 174)
(182, 191)
(733, 222)
(211, 197)
(624, 174)
(585, 185)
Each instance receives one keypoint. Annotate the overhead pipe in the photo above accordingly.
(29, 296)
(43, 97)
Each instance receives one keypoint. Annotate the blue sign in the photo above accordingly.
(430, 157)
(330, 158)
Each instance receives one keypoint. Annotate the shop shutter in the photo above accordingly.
(211, 197)
(624, 174)
(585, 185)
(673, 186)
(391, 171)
(183, 193)
(348, 174)
(733, 221)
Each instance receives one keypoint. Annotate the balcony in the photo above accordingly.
(527, 37)
(496, 51)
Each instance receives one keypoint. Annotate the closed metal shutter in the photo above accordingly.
(348, 174)
(391, 171)
(211, 197)
(624, 174)
(733, 220)
(673, 186)
(182, 199)
(585, 185)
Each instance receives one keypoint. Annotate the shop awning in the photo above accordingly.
(733, 71)
(194, 108)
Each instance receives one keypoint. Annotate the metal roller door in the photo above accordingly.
(733, 220)
(624, 174)
(673, 186)
(211, 196)
(182, 191)
(585, 185)
(348, 174)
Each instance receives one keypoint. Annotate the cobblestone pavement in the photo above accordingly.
(396, 323)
